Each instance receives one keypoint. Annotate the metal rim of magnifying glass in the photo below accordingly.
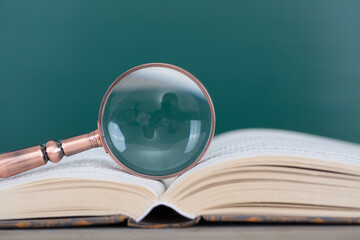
(105, 98)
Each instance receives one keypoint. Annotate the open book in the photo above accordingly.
(246, 175)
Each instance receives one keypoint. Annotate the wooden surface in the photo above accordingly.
(221, 232)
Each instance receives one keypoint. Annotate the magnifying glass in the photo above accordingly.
(156, 121)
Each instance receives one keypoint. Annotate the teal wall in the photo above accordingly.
(279, 64)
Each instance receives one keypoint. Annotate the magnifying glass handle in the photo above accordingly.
(15, 162)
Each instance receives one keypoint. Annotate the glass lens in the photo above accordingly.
(156, 121)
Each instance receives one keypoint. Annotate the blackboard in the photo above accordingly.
(275, 64)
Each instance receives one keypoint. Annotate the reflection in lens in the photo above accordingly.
(195, 126)
(117, 137)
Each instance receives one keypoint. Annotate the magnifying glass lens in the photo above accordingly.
(156, 121)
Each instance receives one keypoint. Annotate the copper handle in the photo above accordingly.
(15, 162)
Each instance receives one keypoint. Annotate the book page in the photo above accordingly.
(246, 143)
(94, 164)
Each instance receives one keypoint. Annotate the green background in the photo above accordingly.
(280, 64)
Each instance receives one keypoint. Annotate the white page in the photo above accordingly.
(94, 164)
(246, 143)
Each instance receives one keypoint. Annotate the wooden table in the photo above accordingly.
(219, 232)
